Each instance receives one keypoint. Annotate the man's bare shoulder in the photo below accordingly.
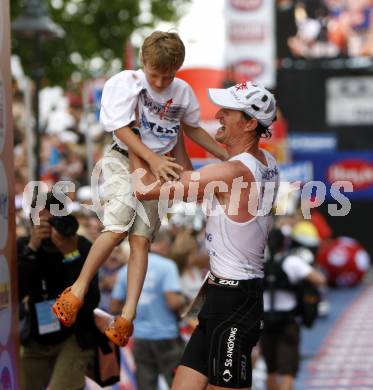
(225, 171)
(231, 167)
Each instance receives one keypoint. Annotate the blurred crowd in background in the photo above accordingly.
(313, 29)
(326, 28)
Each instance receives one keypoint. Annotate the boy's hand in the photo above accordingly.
(163, 167)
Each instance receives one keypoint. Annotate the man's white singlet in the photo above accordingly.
(236, 250)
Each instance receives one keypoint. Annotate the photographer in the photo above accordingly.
(48, 262)
(289, 275)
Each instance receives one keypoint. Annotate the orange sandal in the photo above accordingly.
(66, 307)
(119, 331)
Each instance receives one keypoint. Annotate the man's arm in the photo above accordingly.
(192, 186)
(204, 139)
(160, 167)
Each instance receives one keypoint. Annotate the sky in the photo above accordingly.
(202, 31)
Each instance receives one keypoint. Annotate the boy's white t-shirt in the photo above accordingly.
(160, 114)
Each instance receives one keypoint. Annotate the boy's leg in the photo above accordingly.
(98, 254)
(141, 235)
(120, 330)
(137, 266)
(70, 301)
(119, 212)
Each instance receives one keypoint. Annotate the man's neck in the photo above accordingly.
(249, 146)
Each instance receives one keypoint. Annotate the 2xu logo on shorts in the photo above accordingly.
(243, 367)
(225, 282)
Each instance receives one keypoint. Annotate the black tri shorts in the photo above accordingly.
(229, 327)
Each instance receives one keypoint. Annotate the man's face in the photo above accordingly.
(232, 125)
(158, 80)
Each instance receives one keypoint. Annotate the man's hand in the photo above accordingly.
(164, 167)
(39, 233)
(64, 244)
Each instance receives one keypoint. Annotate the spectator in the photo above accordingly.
(193, 265)
(47, 263)
(285, 26)
(191, 261)
(157, 344)
(183, 244)
(281, 334)
(353, 28)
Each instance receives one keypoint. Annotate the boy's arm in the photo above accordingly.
(180, 154)
(161, 167)
(204, 139)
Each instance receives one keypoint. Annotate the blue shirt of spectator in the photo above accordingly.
(154, 320)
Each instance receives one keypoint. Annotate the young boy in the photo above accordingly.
(158, 103)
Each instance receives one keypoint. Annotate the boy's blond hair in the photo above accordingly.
(164, 51)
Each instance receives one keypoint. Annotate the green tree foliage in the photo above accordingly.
(94, 29)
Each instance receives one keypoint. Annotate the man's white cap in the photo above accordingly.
(255, 101)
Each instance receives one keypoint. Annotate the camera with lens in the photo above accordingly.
(66, 225)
